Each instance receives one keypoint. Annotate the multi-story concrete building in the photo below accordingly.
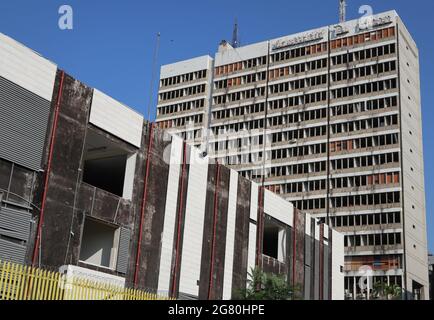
(88, 186)
(331, 120)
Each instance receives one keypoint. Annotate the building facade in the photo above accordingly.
(91, 189)
(331, 120)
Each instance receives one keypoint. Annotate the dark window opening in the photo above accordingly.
(274, 240)
(105, 165)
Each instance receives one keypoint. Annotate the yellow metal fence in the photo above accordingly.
(18, 282)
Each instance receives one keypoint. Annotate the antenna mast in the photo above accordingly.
(235, 40)
(342, 11)
(154, 66)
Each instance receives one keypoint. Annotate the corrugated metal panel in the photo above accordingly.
(116, 118)
(23, 125)
(15, 224)
(230, 236)
(26, 68)
(10, 251)
(194, 221)
(124, 250)
(170, 214)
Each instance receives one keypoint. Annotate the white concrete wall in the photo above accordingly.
(338, 285)
(251, 253)
(170, 215)
(230, 235)
(116, 118)
(186, 66)
(130, 170)
(278, 208)
(413, 164)
(26, 68)
(194, 221)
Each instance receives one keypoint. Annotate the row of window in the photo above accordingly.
(365, 180)
(244, 143)
(365, 161)
(180, 122)
(290, 135)
(295, 169)
(192, 76)
(311, 204)
(314, 149)
(365, 71)
(237, 81)
(371, 199)
(364, 54)
(365, 88)
(181, 107)
(377, 239)
(336, 183)
(309, 82)
(298, 52)
(237, 66)
(362, 38)
(235, 127)
(371, 219)
(366, 142)
(338, 164)
(238, 111)
(363, 106)
(240, 95)
(297, 68)
(303, 99)
(358, 125)
(182, 92)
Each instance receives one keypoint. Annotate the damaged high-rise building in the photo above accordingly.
(331, 120)
(88, 186)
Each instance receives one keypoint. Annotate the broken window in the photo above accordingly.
(99, 244)
(274, 241)
(107, 166)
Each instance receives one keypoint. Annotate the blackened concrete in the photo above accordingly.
(214, 291)
(239, 276)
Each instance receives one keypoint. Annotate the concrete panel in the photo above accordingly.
(230, 236)
(338, 262)
(254, 196)
(230, 55)
(252, 248)
(26, 68)
(278, 208)
(241, 236)
(186, 66)
(193, 230)
(115, 118)
(170, 214)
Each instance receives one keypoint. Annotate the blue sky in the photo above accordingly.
(111, 45)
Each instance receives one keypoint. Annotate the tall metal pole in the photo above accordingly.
(154, 67)
(342, 11)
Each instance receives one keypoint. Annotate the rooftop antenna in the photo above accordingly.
(342, 11)
(235, 40)
(154, 66)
